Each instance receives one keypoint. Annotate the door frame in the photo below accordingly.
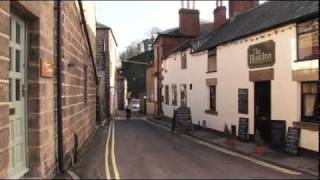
(255, 103)
(25, 89)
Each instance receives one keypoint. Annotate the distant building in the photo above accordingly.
(190, 27)
(134, 71)
(106, 69)
(43, 116)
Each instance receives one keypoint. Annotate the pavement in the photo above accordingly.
(138, 149)
(308, 165)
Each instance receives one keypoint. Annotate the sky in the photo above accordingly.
(131, 20)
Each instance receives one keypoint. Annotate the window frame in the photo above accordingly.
(214, 109)
(166, 94)
(183, 60)
(174, 101)
(183, 87)
(308, 119)
(212, 53)
(312, 57)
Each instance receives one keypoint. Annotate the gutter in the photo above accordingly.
(84, 25)
(59, 88)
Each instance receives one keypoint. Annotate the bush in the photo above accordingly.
(258, 139)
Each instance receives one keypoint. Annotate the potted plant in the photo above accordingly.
(259, 144)
(228, 141)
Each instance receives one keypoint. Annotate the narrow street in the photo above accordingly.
(140, 150)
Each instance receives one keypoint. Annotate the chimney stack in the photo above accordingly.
(220, 16)
(189, 22)
(237, 7)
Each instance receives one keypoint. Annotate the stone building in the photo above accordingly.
(121, 89)
(106, 68)
(46, 115)
(261, 65)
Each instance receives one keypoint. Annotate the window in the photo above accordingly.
(183, 60)
(183, 94)
(174, 95)
(309, 101)
(166, 94)
(212, 61)
(212, 98)
(85, 84)
(307, 39)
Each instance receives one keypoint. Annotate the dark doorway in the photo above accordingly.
(262, 111)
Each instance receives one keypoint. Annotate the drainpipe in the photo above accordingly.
(59, 88)
(84, 25)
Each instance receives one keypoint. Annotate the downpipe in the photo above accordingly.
(59, 88)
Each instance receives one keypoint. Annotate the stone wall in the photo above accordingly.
(103, 67)
(79, 88)
(78, 114)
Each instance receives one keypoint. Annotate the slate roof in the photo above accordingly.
(265, 16)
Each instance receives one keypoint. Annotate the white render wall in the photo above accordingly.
(232, 74)
(113, 66)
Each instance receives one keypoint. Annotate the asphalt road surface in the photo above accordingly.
(137, 149)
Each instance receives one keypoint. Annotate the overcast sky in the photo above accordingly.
(131, 20)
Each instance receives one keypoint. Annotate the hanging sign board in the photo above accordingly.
(262, 54)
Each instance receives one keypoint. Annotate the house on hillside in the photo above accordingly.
(261, 64)
(106, 69)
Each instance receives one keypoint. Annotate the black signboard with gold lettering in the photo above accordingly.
(262, 54)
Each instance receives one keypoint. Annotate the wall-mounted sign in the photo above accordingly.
(243, 101)
(47, 68)
(262, 54)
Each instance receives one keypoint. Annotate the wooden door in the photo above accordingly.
(17, 105)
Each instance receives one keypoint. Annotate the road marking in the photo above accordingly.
(113, 156)
(226, 151)
(107, 154)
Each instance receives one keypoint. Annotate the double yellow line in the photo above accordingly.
(113, 157)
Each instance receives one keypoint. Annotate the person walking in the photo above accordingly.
(128, 111)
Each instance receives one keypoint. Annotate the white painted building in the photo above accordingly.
(285, 89)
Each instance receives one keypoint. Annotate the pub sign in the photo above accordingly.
(261, 54)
